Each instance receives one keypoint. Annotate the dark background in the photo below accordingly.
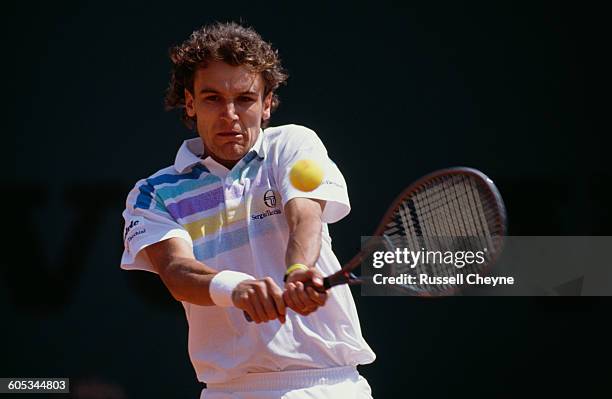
(395, 90)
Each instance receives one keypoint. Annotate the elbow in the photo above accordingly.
(167, 275)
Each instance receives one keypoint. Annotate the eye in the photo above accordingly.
(212, 98)
(246, 99)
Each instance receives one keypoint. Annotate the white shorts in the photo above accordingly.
(337, 382)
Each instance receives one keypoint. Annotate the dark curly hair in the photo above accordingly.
(228, 42)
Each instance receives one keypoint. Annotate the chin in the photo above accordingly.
(236, 152)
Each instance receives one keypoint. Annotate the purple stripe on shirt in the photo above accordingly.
(198, 203)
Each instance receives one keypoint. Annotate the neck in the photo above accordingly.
(227, 163)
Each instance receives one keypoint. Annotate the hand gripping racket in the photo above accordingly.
(450, 210)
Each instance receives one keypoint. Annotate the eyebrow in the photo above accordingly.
(208, 90)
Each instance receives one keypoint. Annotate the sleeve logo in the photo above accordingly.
(135, 224)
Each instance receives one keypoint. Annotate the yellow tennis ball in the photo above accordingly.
(306, 175)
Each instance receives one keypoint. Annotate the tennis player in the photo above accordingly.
(227, 233)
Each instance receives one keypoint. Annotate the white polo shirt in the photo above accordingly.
(234, 220)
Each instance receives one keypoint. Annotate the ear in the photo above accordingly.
(189, 107)
(267, 107)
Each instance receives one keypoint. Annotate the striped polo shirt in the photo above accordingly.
(234, 220)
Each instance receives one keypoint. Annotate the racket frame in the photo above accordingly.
(345, 275)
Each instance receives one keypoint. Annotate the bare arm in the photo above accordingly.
(189, 280)
(304, 246)
(304, 220)
(186, 278)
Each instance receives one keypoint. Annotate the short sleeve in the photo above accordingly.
(146, 222)
(303, 143)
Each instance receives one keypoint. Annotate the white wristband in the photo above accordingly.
(223, 284)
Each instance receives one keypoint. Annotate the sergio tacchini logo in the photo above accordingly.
(270, 199)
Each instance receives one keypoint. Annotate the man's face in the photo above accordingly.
(228, 104)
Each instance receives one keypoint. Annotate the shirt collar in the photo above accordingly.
(259, 147)
(191, 152)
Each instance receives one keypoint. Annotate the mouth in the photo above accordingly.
(229, 134)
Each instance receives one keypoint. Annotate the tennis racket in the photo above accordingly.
(450, 210)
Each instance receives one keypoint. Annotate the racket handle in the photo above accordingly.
(326, 286)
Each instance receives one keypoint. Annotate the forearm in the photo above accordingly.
(304, 244)
(188, 280)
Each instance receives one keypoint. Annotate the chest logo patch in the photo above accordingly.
(269, 199)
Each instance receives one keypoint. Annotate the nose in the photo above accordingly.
(229, 111)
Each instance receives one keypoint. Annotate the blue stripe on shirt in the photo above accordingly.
(146, 190)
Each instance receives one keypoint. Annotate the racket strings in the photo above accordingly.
(438, 204)
(448, 214)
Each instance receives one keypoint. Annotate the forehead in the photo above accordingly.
(224, 78)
